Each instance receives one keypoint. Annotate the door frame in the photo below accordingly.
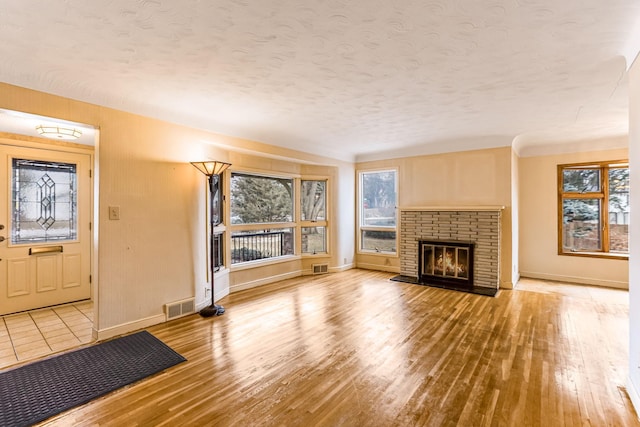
(24, 141)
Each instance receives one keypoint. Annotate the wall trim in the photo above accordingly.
(378, 267)
(573, 279)
(633, 395)
(124, 328)
(343, 267)
(506, 285)
(264, 281)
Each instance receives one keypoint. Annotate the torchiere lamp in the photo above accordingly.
(212, 170)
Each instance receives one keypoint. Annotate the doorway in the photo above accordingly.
(45, 227)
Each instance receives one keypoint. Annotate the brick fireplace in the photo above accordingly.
(476, 227)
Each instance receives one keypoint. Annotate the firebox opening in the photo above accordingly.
(445, 263)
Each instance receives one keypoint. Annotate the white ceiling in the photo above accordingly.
(353, 80)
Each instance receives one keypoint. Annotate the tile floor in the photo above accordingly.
(33, 334)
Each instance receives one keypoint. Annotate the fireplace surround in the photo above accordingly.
(479, 225)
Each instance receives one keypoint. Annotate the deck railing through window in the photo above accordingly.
(252, 246)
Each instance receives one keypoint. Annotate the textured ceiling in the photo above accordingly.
(346, 79)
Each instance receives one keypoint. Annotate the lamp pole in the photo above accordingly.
(212, 169)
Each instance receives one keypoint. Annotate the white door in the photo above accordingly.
(45, 247)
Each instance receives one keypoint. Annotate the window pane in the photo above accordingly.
(218, 258)
(379, 241)
(259, 200)
(43, 202)
(379, 199)
(581, 180)
(314, 240)
(581, 225)
(313, 200)
(216, 199)
(619, 210)
(253, 245)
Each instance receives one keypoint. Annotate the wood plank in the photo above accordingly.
(355, 349)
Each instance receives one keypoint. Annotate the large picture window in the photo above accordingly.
(377, 207)
(261, 217)
(593, 209)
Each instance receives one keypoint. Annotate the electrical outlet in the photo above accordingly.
(114, 212)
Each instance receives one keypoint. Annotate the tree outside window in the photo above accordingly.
(261, 217)
(378, 200)
(593, 208)
(313, 201)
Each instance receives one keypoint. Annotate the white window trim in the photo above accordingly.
(360, 215)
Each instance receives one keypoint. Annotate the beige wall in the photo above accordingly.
(634, 267)
(469, 178)
(155, 254)
(538, 225)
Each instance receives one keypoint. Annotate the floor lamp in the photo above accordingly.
(212, 170)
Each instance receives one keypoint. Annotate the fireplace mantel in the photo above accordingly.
(451, 208)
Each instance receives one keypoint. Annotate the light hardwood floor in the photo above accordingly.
(355, 349)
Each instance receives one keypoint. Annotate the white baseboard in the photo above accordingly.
(573, 279)
(264, 281)
(633, 395)
(378, 267)
(340, 268)
(125, 328)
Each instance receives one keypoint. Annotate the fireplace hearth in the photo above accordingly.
(445, 263)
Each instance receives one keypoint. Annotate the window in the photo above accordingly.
(378, 199)
(44, 202)
(313, 201)
(261, 217)
(593, 208)
(216, 221)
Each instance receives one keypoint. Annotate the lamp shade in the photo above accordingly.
(210, 168)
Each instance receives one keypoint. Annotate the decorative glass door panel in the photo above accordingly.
(44, 202)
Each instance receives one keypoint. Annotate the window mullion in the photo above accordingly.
(605, 209)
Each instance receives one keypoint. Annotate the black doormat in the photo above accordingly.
(39, 390)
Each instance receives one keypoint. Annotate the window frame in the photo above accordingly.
(217, 230)
(362, 227)
(324, 223)
(602, 196)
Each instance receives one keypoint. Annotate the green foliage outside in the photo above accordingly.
(258, 200)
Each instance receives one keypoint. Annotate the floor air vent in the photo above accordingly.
(179, 308)
(320, 268)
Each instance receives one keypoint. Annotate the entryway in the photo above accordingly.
(45, 227)
(38, 333)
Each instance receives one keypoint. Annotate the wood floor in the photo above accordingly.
(355, 349)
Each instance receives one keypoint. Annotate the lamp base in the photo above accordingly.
(212, 310)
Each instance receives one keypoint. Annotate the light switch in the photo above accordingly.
(114, 212)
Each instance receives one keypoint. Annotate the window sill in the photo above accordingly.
(602, 255)
(264, 262)
(379, 253)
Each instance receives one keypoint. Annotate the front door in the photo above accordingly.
(45, 245)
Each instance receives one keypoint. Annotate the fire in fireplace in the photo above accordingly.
(445, 263)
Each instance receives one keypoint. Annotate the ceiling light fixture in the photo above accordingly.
(58, 132)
